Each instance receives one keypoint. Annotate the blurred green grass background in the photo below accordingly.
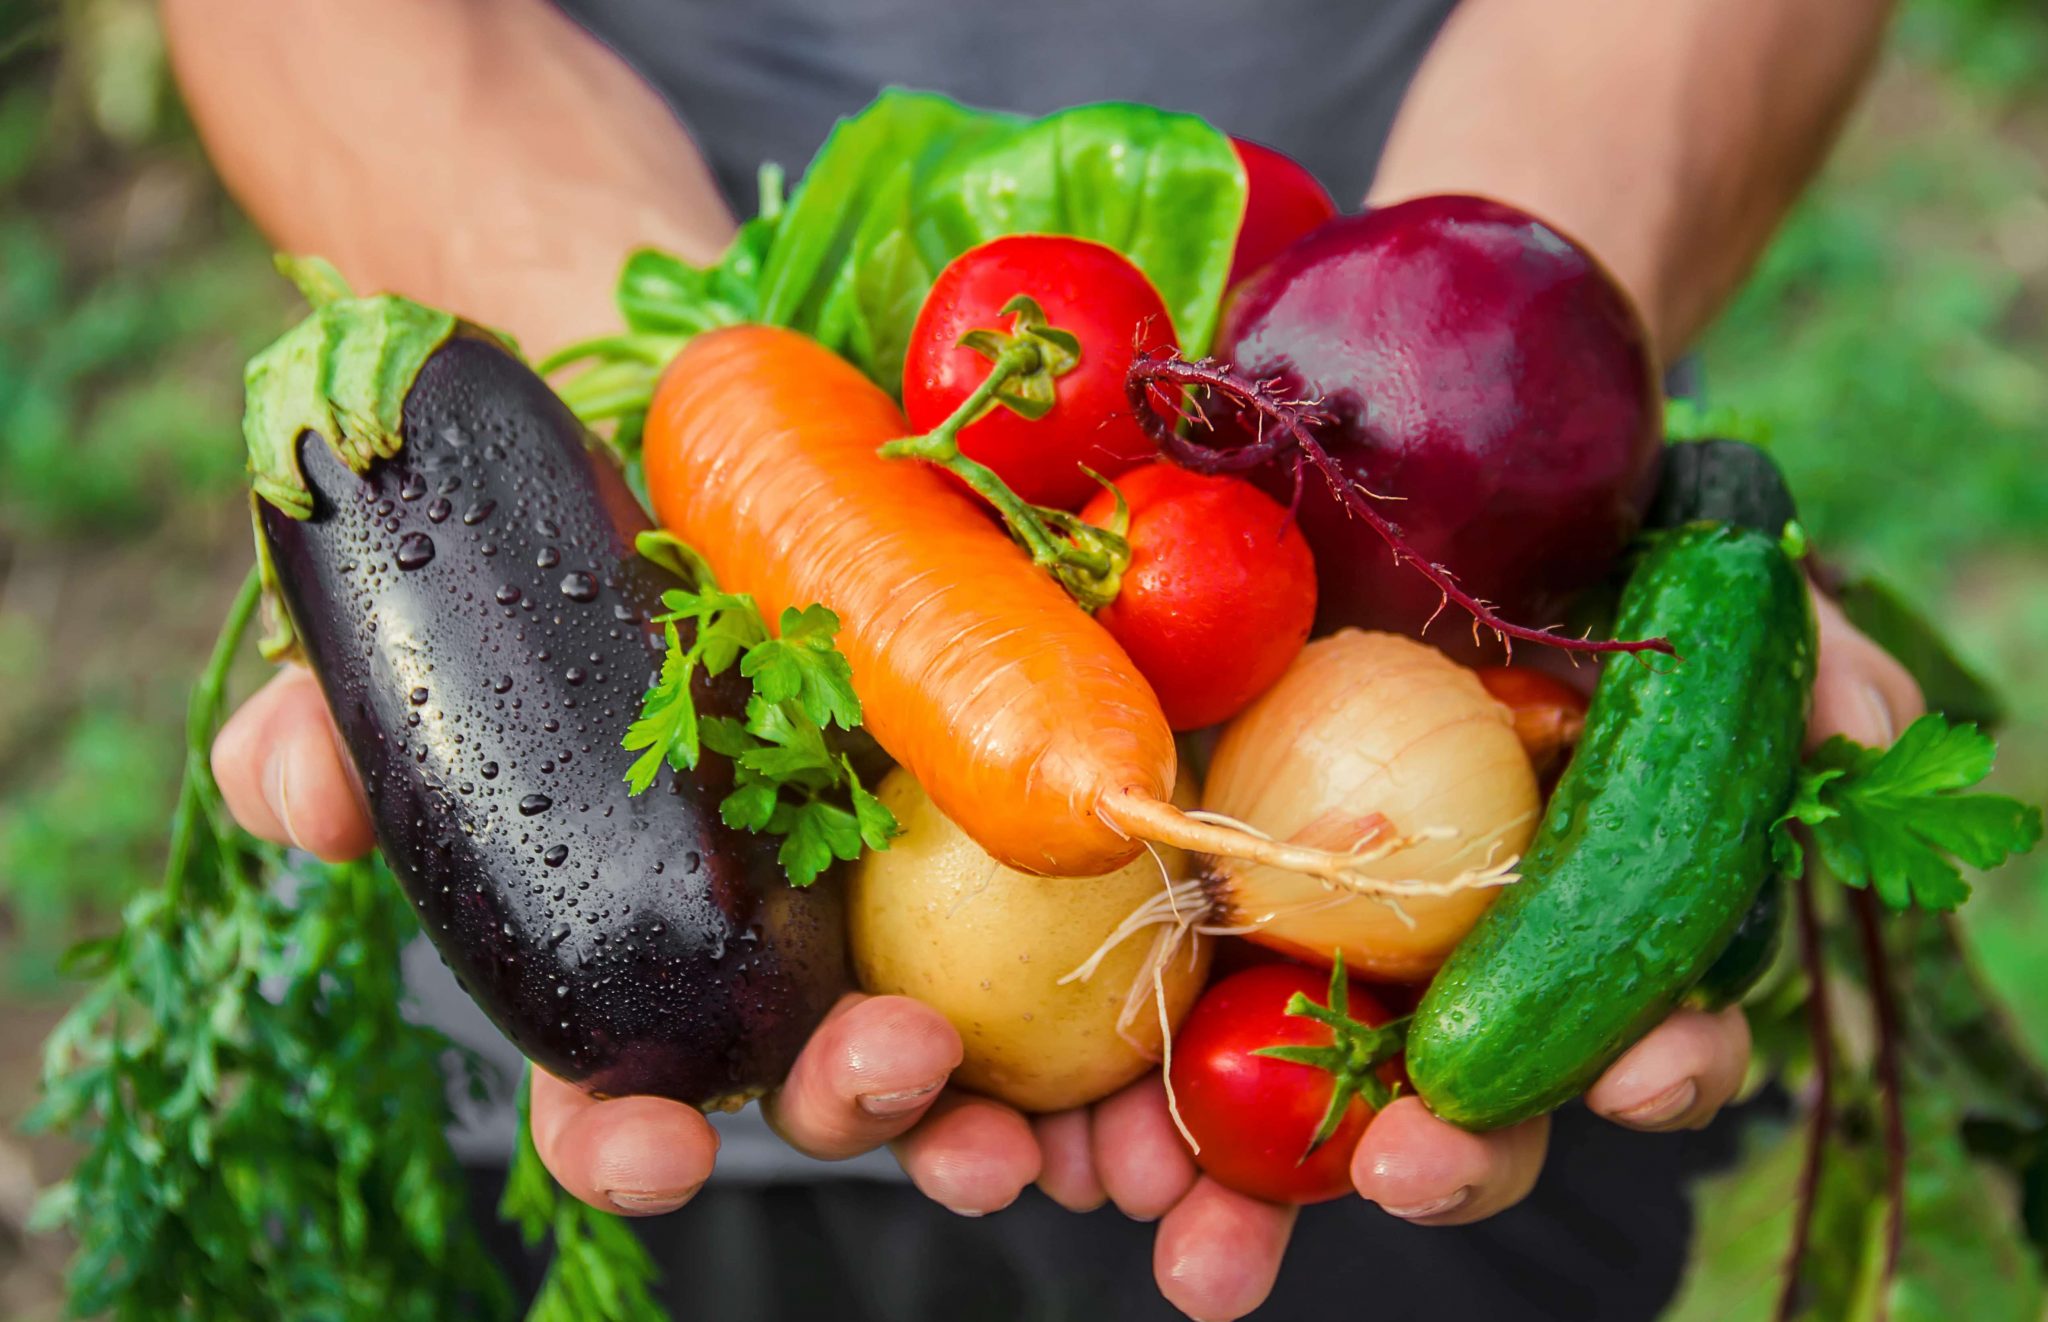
(1894, 343)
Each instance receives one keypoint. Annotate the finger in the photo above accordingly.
(1144, 1163)
(1067, 1161)
(1679, 1075)
(868, 1073)
(970, 1155)
(1429, 1171)
(1218, 1252)
(281, 771)
(639, 1156)
(1859, 690)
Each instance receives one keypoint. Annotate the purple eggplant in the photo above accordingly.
(463, 581)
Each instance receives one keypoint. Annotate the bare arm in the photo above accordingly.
(1670, 137)
(483, 155)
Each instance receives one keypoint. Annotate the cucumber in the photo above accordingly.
(1654, 845)
(1729, 482)
(1750, 951)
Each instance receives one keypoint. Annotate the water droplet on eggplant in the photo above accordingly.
(415, 551)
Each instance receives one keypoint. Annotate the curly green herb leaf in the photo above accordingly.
(788, 780)
(1897, 819)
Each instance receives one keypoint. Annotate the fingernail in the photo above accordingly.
(1664, 1108)
(1878, 712)
(1449, 1203)
(962, 1211)
(275, 795)
(636, 1203)
(888, 1105)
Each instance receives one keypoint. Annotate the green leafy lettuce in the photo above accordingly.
(898, 191)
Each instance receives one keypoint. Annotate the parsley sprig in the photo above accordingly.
(1897, 820)
(788, 779)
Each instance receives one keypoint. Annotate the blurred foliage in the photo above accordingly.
(1998, 46)
(1893, 347)
(125, 285)
(130, 293)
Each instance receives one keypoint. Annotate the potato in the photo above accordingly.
(935, 918)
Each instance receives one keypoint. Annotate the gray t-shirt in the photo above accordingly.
(763, 80)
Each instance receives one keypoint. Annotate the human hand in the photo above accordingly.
(872, 1071)
(875, 1071)
(1218, 1252)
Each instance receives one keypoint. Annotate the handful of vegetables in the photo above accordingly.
(995, 457)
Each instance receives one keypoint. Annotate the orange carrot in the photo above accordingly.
(1019, 715)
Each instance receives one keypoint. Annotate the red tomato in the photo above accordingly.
(1254, 1116)
(1220, 593)
(1086, 289)
(1549, 713)
(1283, 201)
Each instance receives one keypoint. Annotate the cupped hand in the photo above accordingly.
(875, 1071)
(871, 1073)
(1218, 1252)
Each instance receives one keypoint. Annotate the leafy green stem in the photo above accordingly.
(1877, 964)
(788, 779)
(1821, 1034)
(199, 796)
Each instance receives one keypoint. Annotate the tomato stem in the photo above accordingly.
(1353, 1058)
(1088, 561)
(1283, 433)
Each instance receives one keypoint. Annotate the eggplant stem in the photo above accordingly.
(1283, 431)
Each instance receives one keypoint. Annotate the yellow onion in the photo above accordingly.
(1374, 743)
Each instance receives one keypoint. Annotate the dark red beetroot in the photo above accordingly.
(1283, 201)
(1483, 374)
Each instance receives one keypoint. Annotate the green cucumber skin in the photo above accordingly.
(1653, 847)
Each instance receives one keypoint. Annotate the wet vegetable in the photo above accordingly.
(1067, 416)
(1219, 594)
(1283, 201)
(1652, 849)
(459, 571)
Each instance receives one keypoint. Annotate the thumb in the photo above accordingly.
(1859, 690)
